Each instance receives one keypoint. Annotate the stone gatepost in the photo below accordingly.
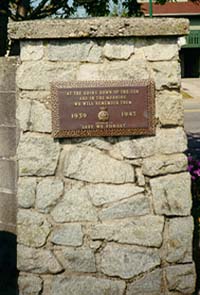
(105, 216)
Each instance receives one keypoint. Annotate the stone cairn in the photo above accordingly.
(104, 216)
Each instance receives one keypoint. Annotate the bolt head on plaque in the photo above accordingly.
(103, 115)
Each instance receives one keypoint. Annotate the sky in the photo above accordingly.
(81, 11)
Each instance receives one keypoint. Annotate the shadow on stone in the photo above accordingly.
(8, 270)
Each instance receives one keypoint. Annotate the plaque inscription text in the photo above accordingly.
(103, 108)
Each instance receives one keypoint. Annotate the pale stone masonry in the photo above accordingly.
(104, 216)
(7, 146)
(8, 173)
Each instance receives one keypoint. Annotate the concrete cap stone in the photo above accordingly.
(98, 27)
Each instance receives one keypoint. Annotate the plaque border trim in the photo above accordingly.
(150, 130)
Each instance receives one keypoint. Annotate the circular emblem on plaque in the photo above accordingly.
(103, 115)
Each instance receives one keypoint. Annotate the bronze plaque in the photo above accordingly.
(103, 108)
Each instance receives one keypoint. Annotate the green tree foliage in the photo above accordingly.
(3, 26)
(19, 10)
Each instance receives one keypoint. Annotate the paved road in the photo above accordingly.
(192, 114)
(191, 86)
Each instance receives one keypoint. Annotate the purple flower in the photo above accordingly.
(190, 167)
(197, 172)
(190, 158)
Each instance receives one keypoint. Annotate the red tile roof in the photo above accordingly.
(175, 8)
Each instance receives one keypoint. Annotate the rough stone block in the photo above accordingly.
(7, 141)
(7, 108)
(37, 155)
(33, 116)
(169, 108)
(87, 164)
(181, 278)
(135, 206)
(48, 192)
(40, 118)
(161, 50)
(34, 95)
(149, 284)
(23, 113)
(137, 148)
(116, 154)
(68, 235)
(107, 193)
(166, 74)
(74, 51)
(118, 260)
(178, 241)
(26, 192)
(100, 143)
(7, 73)
(140, 177)
(171, 140)
(8, 208)
(95, 54)
(74, 206)
(95, 245)
(39, 261)
(172, 195)
(144, 231)
(47, 284)
(43, 73)
(33, 229)
(166, 141)
(117, 70)
(77, 260)
(86, 285)
(120, 49)
(31, 50)
(30, 285)
(162, 164)
(8, 175)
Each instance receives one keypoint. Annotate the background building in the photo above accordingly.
(190, 53)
